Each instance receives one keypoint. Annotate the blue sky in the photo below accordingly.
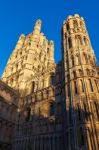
(19, 16)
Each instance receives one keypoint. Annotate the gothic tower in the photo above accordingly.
(81, 86)
(32, 56)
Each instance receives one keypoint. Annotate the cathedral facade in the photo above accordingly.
(56, 106)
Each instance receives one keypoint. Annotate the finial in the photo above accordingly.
(69, 17)
(22, 36)
(64, 22)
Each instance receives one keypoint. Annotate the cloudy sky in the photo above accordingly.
(19, 16)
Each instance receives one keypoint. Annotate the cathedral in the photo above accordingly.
(49, 106)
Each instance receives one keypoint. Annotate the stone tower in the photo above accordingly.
(58, 104)
(32, 56)
(81, 86)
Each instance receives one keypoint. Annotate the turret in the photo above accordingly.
(20, 41)
(51, 49)
(37, 27)
(81, 81)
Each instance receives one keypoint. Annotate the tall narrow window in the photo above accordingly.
(74, 74)
(69, 43)
(33, 85)
(72, 59)
(77, 59)
(85, 112)
(51, 109)
(27, 114)
(82, 85)
(90, 84)
(68, 26)
(96, 84)
(75, 87)
(80, 40)
(85, 57)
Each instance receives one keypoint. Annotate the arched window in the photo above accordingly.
(75, 24)
(90, 85)
(69, 43)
